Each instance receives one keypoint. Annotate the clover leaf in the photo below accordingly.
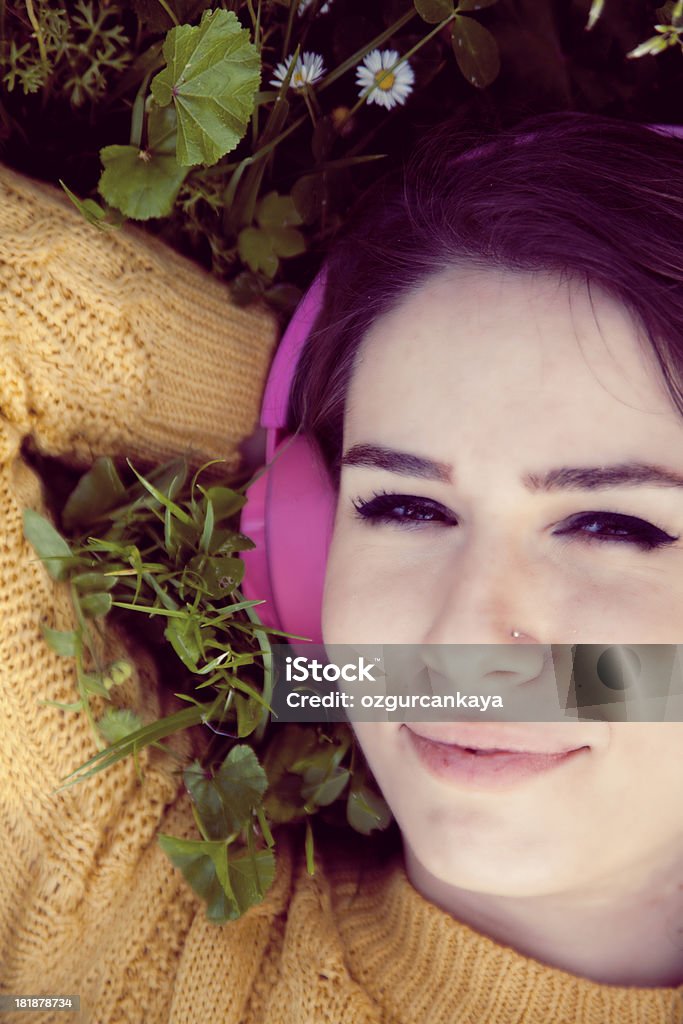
(225, 802)
(476, 51)
(228, 886)
(262, 247)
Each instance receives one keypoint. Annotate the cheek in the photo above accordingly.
(377, 591)
(650, 752)
(352, 598)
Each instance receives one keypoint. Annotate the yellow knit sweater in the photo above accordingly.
(111, 344)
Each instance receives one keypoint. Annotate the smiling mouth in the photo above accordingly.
(484, 752)
(492, 768)
(455, 738)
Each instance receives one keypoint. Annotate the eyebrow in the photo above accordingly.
(562, 478)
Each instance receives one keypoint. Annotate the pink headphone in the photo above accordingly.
(290, 509)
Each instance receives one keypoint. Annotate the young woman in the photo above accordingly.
(495, 383)
(500, 341)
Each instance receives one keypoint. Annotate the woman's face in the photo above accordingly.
(526, 412)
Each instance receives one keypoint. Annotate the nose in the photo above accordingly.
(495, 669)
(491, 588)
(491, 584)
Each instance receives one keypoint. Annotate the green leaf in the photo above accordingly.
(116, 723)
(76, 706)
(169, 479)
(310, 851)
(177, 534)
(291, 744)
(249, 713)
(66, 644)
(207, 530)
(93, 684)
(256, 250)
(212, 75)
(150, 177)
(286, 242)
(325, 793)
(93, 582)
(251, 876)
(317, 766)
(93, 212)
(182, 636)
(285, 297)
(651, 46)
(225, 501)
(225, 802)
(245, 288)
(309, 193)
(434, 11)
(594, 14)
(95, 605)
(164, 499)
(48, 543)
(151, 733)
(284, 802)
(96, 492)
(366, 811)
(220, 574)
(276, 211)
(204, 866)
(228, 888)
(476, 51)
(224, 541)
(162, 128)
(140, 183)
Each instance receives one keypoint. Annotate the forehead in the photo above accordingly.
(486, 351)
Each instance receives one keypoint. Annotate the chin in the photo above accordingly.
(451, 862)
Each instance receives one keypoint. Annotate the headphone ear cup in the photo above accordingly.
(289, 515)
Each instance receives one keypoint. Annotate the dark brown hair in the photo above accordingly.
(575, 194)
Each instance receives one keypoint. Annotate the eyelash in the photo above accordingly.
(379, 510)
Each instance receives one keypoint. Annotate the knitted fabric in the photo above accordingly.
(111, 344)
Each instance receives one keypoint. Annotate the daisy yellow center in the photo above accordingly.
(298, 78)
(385, 79)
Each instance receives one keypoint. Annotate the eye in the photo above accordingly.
(606, 527)
(408, 512)
(404, 510)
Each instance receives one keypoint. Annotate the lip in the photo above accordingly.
(504, 738)
(488, 770)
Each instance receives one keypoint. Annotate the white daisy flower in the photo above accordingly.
(308, 70)
(387, 87)
(305, 4)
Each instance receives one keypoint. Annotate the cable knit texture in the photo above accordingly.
(111, 344)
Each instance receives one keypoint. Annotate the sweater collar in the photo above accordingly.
(419, 963)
